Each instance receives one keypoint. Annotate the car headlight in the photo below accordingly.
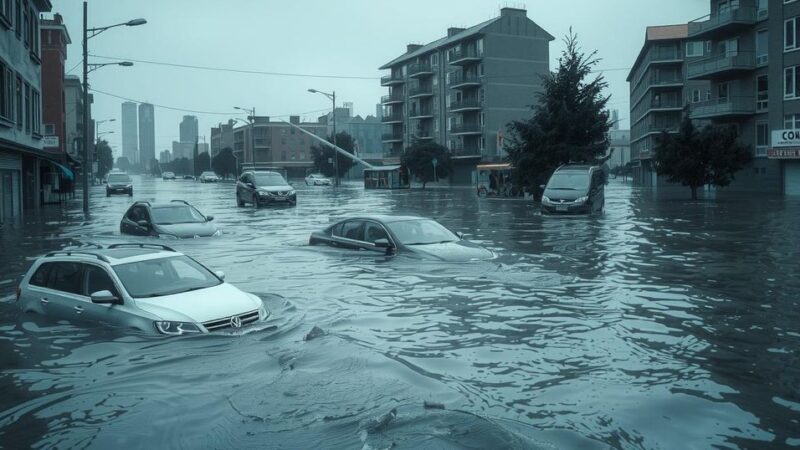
(263, 193)
(545, 200)
(167, 236)
(128, 185)
(292, 192)
(176, 328)
(583, 199)
(217, 233)
(263, 312)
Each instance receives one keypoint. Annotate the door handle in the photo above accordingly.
(78, 309)
(44, 301)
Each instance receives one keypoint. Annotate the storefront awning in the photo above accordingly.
(65, 170)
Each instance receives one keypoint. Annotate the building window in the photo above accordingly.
(7, 12)
(36, 111)
(5, 94)
(18, 21)
(762, 47)
(479, 46)
(762, 93)
(435, 60)
(26, 27)
(695, 96)
(28, 109)
(694, 49)
(790, 88)
(722, 92)
(709, 46)
(791, 122)
(18, 101)
(762, 138)
(790, 31)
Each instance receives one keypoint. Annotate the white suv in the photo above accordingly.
(149, 287)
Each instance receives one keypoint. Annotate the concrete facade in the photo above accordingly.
(462, 90)
(188, 129)
(130, 132)
(222, 137)
(54, 38)
(73, 100)
(147, 135)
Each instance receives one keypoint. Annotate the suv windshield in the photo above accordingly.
(207, 174)
(164, 276)
(166, 215)
(269, 179)
(416, 232)
(572, 181)
(118, 178)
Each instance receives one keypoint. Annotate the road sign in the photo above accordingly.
(435, 162)
(49, 141)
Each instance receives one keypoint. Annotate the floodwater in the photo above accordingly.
(663, 324)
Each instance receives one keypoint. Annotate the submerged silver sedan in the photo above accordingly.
(148, 287)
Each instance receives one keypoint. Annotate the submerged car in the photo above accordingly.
(264, 188)
(119, 183)
(174, 220)
(147, 287)
(392, 235)
(575, 189)
(188, 177)
(318, 179)
(168, 176)
(208, 177)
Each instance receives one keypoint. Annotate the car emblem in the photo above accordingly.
(236, 322)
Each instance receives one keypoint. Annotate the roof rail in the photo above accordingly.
(141, 202)
(180, 201)
(134, 244)
(75, 253)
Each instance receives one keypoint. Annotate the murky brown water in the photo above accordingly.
(664, 323)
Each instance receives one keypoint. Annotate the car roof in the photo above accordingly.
(151, 205)
(114, 256)
(385, 218)
(576, 168)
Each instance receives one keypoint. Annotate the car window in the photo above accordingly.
(571, 181)
(118, 178)
(374, 231)
(164, 276)
(138, 213)
(39, 278)
(176, 214)
(97, 279)
(336, 230)
(66, 277)
(353, 230)
(421, 231)
(270, 179)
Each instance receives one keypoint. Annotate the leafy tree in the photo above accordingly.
(105, 158)
(418, 159)
(155, 167)
(201, 163)
(695, 157)
(123, 163)
(224, 163)
(321, 154)
(569, 124)
(181, 166)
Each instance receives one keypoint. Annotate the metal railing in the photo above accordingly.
(392, 118)
(464, 53)
(392, 98)
(725, 106)
(459, 79)
(421, 112)
(466, 103)
(721, 63)
(419, 69)
(391, 137)
(466, 128)
(387, 79)
(423, 90)
(744, 15)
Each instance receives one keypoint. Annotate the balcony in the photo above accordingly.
(666, 82)
(421, 113)
(418, 70)
(472, 104)
(392, 137)
(669, 128)
(392, 118)
(463, 56)
(725, 22)
(392, 80)
(461, 149)
(423, 135)
(392, 98)
(466, 128)
(724, 108)
(461, 81)
(668, 104)
(424, 91)
(727, 65)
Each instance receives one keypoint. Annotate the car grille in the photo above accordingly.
(280, 193)
(225, 322)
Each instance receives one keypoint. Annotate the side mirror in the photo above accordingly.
(220, 274)
(209, 218)
(383, 243)
(542, 186)
(251, 185)
(143, 224)
(105, 297)
(460, 235)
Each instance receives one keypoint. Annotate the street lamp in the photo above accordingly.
(251, 119)
(332, 97)
(89, 33)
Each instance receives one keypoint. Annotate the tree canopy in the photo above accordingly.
(322, 154)
(105, 158)
(694, 158)
(418, 159)
(224, 163)
(570, 122)
(202, 163)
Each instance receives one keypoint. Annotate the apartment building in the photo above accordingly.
(463, 89)
(130, 132)
(747, 53)
(147, 135)
(222, 137)
(73, 102)
(22, 159)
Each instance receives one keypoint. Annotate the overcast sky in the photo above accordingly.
(349, 38)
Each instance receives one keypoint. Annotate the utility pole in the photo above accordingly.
(335, 154)
(86, 161)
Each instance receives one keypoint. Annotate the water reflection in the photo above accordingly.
(664, 323)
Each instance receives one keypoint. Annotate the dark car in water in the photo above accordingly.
(174, 220)
(119, 183)
(261, 187)
(407, 235)
(575, 189)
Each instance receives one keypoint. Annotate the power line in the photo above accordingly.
(73, 67)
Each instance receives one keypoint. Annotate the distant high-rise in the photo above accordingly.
(615, 119)
(130, 134)
(147, 134)
(188, 129)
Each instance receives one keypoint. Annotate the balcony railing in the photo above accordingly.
(669, 128)
(723, 107)
(396, 117)
(419, 70)
(423, 134)
(459, 149)
(466, 128)
(389, 80)
(420, 91)
(392, 137)
(667, 103)
(465, 55)
(415, 113)
(661, 81)
(472, 103)
(741, 16)
(392, 98)
(711, 67)
(459, 80)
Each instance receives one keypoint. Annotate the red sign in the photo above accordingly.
(784, 153)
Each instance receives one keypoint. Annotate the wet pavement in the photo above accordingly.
(665, 323)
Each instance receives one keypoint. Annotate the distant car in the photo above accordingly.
(208, 177)
(119, 183)
(168, 175)
(317, 179)
(188, 177)
(575, 189)
(137, 286)
(410, 235)
(264, 188)
(174, 220)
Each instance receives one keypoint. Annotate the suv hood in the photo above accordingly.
(568, 195)
(200, 306)
(187, 230)
(459, 251)
(284, 188)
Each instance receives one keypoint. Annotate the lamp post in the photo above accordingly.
(332, 97)
(251, 119)
(89, 33)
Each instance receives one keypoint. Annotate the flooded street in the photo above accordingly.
(664, 323)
